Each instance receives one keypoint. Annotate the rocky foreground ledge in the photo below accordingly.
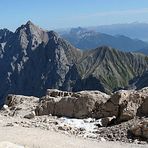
(7, 144)
(121, 116)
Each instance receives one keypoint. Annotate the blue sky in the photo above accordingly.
(51, 14)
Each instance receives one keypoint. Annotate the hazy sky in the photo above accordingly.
(51, 14)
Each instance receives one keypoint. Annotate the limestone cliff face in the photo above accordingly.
(33, 60)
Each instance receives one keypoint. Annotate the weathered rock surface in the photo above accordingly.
(19, 111)
(140, 129)
(124, 104)
(57, 93)
(23, 106)
(78, 105)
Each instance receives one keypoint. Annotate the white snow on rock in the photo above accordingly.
(89, 125)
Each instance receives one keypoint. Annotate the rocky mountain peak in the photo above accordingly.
(31, 35)
(30, 29)
(104, 51)
(82, 32)
(30, 23)
(77, 31)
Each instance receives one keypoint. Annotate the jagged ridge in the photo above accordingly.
(34, 59)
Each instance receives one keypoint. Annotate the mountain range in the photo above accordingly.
(33, 60)
(84, 38)
(133, 30)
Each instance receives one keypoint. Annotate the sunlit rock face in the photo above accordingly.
(33, 60)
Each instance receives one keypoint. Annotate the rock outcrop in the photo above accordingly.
(124, 104)
(22, 106)
(121, 106)
(78, 105)
(95, 109)
(140, 130)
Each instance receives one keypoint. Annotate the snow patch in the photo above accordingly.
(89, 125)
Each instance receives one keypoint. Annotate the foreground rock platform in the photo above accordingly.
(88, 114)
(6, 144)
(37, 138)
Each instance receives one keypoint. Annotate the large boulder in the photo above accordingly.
(112, 106)
(20, 105)
(134, 104)
(124, 104)
(143, 109)
(140, 129)
(78, 105)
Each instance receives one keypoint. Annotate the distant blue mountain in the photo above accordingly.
(87, 39)
(132, 30)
